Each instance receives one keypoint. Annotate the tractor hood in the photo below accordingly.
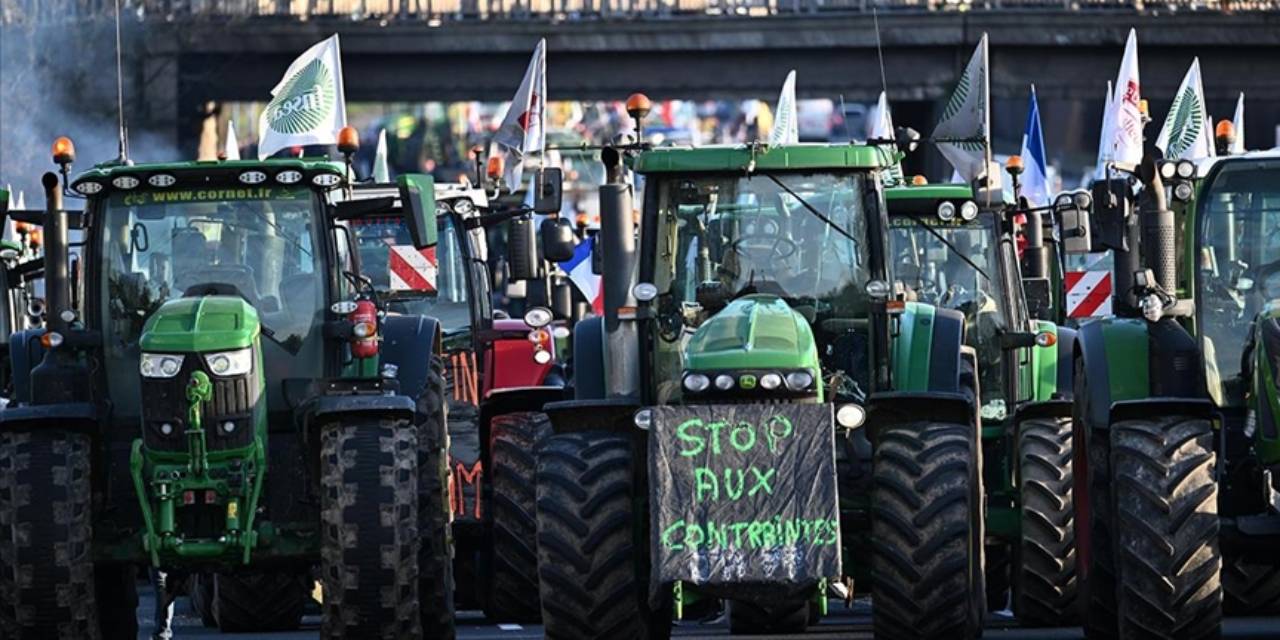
(208, 323)
(753, 332)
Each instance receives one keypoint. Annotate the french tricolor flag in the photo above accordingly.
(579, 269)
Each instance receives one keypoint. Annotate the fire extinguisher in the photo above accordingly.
(364, 329)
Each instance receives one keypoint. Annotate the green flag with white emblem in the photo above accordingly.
(308, 106)
(965, 129)
(1185, 134)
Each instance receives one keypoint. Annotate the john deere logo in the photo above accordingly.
(1188, 119)
(306, 101)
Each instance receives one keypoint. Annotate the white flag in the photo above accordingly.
(1124, 142)
(882, 129)
(523, 131)
(1185, 134)
(1238, 121)
(1104, 137)
(786, 126)
(231, 149)
(966, 121)
(381, 174)
(308, 106)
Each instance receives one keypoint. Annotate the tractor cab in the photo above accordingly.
(791, 245)
(948, 252)
(444, 281)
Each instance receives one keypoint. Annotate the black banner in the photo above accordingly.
(743, 494)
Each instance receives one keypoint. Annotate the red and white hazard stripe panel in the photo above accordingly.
(1088, 294)
(411, 269)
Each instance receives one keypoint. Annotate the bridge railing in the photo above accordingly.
(12, 11)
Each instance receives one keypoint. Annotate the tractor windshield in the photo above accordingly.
(956, 265)
(256, 242)
(429, 282)
(1239, 266)
(799, 236)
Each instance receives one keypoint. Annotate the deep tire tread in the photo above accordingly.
(513, 585)
(921, 587)
(1046, 592)
(588, 565)
(369, 523)
(1167, 544)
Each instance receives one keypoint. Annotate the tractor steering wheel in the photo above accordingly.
(778, 247)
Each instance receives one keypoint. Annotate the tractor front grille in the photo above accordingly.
(164, 401)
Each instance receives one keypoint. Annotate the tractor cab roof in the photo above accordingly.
(108, 177)
(744, 158)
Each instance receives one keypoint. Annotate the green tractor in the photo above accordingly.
(225, 396)
(951, 252)
(1182, 511)
(758, 415)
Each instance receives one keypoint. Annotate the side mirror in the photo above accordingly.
(522, 250)
(558, 240)
(550, 186)
(418, 200)
(1075, 212)
(1039, 297)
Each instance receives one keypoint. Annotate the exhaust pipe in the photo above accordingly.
(618, 244)
(56, 269)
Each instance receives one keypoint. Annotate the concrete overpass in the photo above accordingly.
(1069, 55)
(175, 64)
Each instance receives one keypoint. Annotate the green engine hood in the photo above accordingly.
(209, 323)
(753, 332)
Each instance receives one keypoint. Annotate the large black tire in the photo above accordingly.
(753, 618)
(45, 493)
(513, 579)
(1045, 571)
(1098, 590)
(435, 555)
(369, 530)
(259, 601)
(591, 569)
(1166, 501)
(1250, 589)
(923, 529)
(201, 595)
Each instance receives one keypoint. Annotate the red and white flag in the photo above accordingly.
(1125, 143)
(523, 131)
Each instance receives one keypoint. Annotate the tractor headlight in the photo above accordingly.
(230, 363)
(1152, 307)
(88, 187)
(947, 211)
(326, 180)
(125, 182)
(969, 211)
(770, 381)
(724, 382)
(253, 177)
(696, 382)
(851, 416)
(160, 365)
(799, 380)
(289, 176)
(1182, 191)
(1186, 169)
(1168, 170)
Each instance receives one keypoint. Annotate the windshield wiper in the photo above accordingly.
(950, 246)
(814, 211)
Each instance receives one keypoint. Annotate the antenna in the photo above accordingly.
(875, 18)
(124, 139)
